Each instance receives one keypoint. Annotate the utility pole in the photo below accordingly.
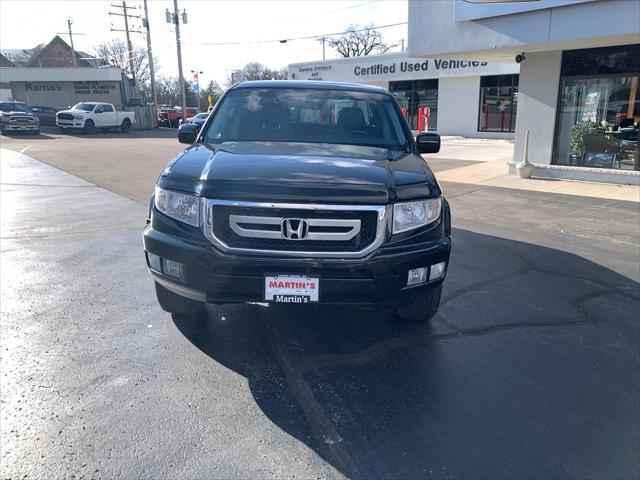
(129, 46)
(73, 50)
(175, 19)
(150, 56)
(127, 31)
(323, 39)
(74, 55)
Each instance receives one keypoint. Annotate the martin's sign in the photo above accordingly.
(394, 67)
(41, 87)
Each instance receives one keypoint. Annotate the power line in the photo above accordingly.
(292, 39)
(328, 12)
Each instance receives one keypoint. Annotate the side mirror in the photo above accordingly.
(428, 142)
(187, 133)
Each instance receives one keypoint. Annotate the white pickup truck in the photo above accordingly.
(90, 116)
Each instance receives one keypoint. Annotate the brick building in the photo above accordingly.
(56, 53)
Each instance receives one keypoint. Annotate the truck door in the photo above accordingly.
(109, 116)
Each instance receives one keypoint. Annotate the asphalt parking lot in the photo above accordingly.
(529, 370)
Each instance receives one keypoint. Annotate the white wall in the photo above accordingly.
(537, 105)
(458, 108)
(433, 30)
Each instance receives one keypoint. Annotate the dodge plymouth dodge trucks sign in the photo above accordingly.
(291, 289)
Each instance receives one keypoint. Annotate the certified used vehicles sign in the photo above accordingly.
(291, 289)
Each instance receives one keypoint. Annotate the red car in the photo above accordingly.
(172, 117)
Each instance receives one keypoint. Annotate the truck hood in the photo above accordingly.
(300, 172)
(72, 111)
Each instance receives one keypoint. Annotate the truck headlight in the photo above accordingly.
(78, 117)
(410, 215)
(182, 207)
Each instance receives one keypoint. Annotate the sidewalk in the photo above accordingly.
(494, 174)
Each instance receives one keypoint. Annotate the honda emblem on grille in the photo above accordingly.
(295, 228)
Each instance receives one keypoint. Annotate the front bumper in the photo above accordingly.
(70, 123)
(23, 127)
(211, 275)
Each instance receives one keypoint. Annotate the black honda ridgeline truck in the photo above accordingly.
(300, 192)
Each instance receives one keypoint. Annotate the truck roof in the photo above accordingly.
(95, 103)
(310, 84)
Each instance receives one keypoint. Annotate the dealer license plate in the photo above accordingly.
(291, 288)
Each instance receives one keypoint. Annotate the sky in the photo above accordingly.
(26, 23)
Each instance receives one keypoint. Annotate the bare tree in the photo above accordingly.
(168, 90)
(256, 71)
(114, 52)
(213, 89)
(357, 42)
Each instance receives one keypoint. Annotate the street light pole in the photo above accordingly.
(183, 98)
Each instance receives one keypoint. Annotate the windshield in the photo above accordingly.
(13, 107)
(87, 107)
(309, 116)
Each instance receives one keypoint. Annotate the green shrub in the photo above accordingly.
(580, 129)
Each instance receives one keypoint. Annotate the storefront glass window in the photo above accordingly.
(599, 108)
(413, 94)
(498, 103)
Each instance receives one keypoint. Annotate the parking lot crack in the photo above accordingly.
(327, 438)
(409, 342)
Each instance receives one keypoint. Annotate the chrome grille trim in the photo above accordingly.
(236, 222)
(383, 217)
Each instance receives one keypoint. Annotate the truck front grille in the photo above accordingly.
(65, 116)
(325, 230)
(21, 119)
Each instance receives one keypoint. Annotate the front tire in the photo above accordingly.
(423, 308)
(89, 127)
(174, 303)
(126, 125)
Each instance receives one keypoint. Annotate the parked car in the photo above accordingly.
(300, 192)
(90, 116)
(17, 117)
(199, 118)
(46, 115)
(171, 117)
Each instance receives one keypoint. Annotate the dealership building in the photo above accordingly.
(54, 75)
(562, 73)
(578, 89)
(471, 98)
(61, 87)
